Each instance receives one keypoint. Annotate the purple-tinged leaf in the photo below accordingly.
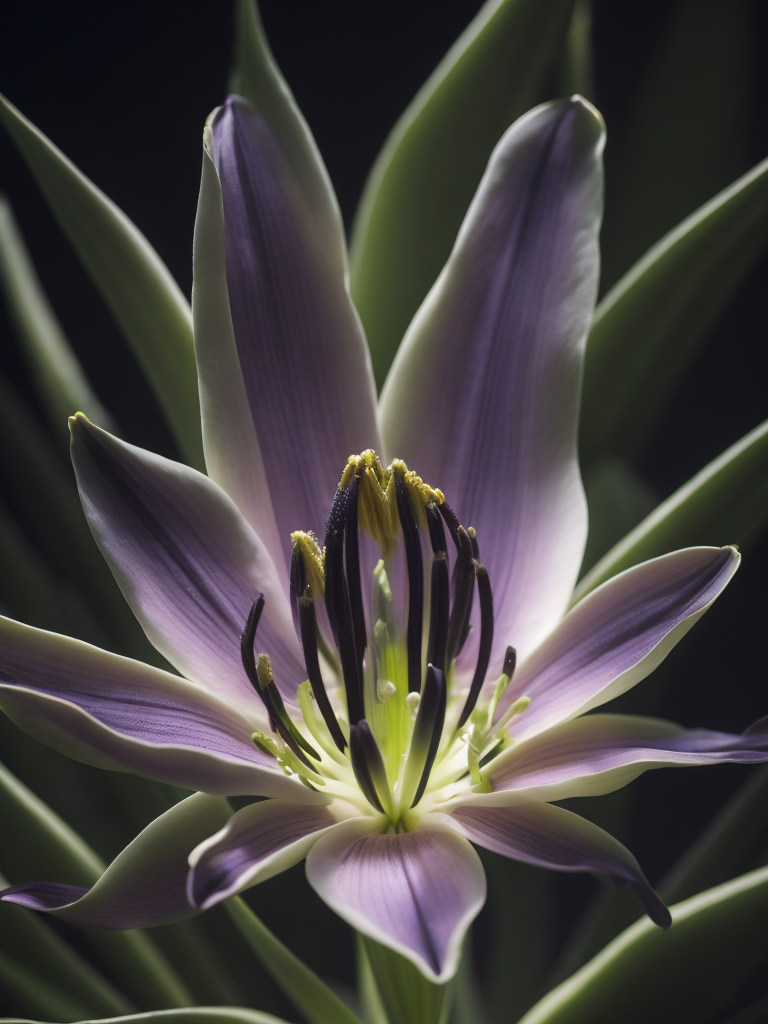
(146, 884)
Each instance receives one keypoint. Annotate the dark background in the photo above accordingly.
(124, 89)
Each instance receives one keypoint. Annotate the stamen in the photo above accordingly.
(428, 727)
(510, 661)
(462, 601)
(439, 590)
(412, 546)
(451, 521)
(308, 634)
(338, 606)
(439, 617)
(486, 641)
(352, 550)
(269, 694)
(367, 764)
(435, 524)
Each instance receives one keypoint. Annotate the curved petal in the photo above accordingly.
(600, 753)
(416, 892)
(146, 884)
(232, 454)
(617, 635)
(187, 562)
(119, 714)
(551, 837)
(302, 352)
(257, 842)
(482, 399)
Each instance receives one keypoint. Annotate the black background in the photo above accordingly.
(124, 89)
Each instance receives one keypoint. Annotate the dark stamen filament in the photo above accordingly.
(337, 603)
(270, 695)
(486, 641)
(366, 762)
(352, 551)
(462, 601)
(415, 566)
(510, 661)
(428, 727)
(308, 633)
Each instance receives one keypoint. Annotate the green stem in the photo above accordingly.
(309, 994)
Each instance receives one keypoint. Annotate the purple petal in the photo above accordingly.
(146, 884)
(260, 841)
(416, 892)
(482, 399)
(187, 562)
(120, 714)
(232, 454)
(600, 753)
(551, 837)
(303, 357)
(617, 635)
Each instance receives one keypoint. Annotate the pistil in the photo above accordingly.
(396, 681)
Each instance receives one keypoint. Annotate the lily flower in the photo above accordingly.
(376, 644)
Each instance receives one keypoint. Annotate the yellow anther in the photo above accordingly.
(313, 556)
(264, 671)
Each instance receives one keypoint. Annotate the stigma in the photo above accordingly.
(385, 720)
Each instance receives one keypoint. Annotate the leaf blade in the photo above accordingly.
(728, 498)
(684, 966)
(650, 325)
(422, 182)
(145, 300)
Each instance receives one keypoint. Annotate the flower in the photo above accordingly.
(388, 714)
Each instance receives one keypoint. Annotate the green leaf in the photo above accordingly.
(196, 1015)
(648, 328)
(425, 176)
(717, 943)
(685, 129)
(30, 592)
(46, 501)
(308, 993)
(578, 72)
(48, 842)
(25, 939)
(404, 995)
(726, 503)
(731, 844)
(146, 302)
(618, 499)
(60, 379)
(256, 77)
(46, 845)
(37, 994)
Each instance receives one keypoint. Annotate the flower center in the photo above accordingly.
(400, 725)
